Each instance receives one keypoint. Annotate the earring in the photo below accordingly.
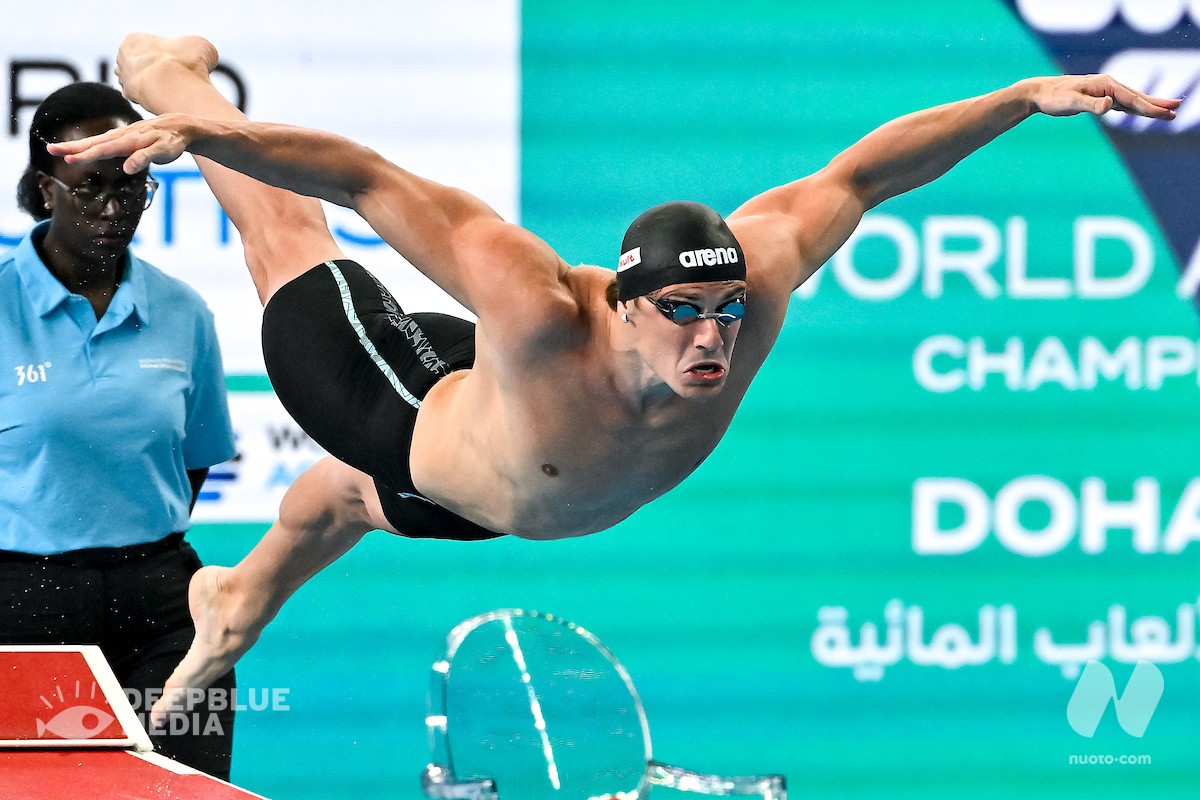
(48, 205)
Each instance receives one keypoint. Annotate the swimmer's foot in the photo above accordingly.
(148, 66)
(227, 625)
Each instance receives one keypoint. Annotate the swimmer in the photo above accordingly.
(580, 395)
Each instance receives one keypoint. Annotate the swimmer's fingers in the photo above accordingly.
(1098, 94)
(151, 141)
(139, 148)
(1144, 105)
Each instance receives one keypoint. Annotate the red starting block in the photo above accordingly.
(68, 731)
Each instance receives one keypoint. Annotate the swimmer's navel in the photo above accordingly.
(550, 469)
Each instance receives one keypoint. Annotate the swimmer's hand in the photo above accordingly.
(1095, 94)
(160, 140)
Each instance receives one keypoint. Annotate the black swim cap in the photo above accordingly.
(679, 242)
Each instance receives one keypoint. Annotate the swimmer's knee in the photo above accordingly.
(329, 494)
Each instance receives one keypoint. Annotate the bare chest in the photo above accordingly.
(585, 458)
(562, 457)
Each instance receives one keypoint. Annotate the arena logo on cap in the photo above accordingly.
(630, 258)
(709, 257)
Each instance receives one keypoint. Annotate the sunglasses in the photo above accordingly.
(681, 313)
(92, 201)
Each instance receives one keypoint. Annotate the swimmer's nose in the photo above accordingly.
(707, 335)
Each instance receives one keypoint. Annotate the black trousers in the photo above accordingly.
(132, 602)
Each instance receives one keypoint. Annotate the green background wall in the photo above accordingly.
(710, 595)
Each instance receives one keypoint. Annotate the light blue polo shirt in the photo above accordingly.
(101, 419)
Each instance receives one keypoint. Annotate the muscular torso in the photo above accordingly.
(542, 443)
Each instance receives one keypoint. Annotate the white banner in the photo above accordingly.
(435, 87)
(272, 451)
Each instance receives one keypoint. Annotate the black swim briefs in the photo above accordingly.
(352, 368)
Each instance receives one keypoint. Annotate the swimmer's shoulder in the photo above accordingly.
(588, 280)
(581, 309)
(542, 320)
(589, 286)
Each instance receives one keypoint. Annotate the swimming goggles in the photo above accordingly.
(681, 313)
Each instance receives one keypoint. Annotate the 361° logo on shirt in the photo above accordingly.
(31, 373)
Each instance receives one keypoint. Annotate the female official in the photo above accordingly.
(112, 409)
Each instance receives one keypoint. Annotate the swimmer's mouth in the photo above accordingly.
(708, 372)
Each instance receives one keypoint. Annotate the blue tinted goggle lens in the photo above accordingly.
(735, 308)
(681, 312)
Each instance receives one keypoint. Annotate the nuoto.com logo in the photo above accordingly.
(1134, 706)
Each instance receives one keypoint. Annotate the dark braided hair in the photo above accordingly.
(71, 105)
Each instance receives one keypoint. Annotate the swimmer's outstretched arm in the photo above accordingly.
(804, 222)
(449, 234)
